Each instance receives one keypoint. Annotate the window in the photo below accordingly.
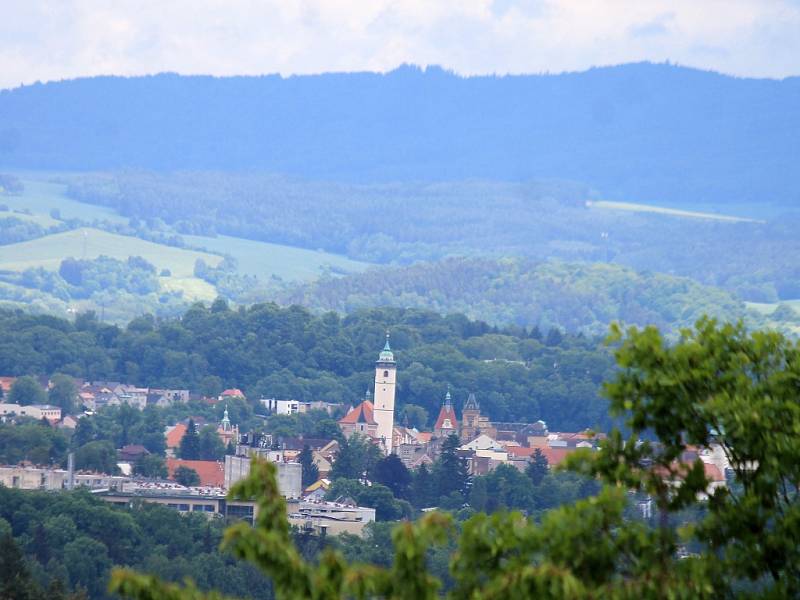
(386, 373)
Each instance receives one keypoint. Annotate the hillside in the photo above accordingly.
(578, 297)
(636, 132)
(400, 223)
(271, 352)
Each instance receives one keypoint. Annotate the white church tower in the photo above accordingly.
(385, 384)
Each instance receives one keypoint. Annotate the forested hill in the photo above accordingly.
(290, 353)
(580, 297)
(644, 132)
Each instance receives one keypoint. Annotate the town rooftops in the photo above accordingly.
(363, 413)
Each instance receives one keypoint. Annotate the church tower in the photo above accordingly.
(385, 384)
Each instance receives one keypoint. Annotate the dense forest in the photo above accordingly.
(641, 132)
(579, 297)
(269, 351)
(75, 539)
(407, 222)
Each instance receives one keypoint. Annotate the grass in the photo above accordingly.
(263, 259)
(40, 197)
(194, 289)
(674, 212)
(49, 251)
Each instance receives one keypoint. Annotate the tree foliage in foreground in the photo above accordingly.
(716, 385)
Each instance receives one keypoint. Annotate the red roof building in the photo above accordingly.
(6, 383)
(175, 435)
(446, 423)
(360, 419)
(211, 472)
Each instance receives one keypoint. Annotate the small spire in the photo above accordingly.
(368, 395)
(386, 354)
(447, 397)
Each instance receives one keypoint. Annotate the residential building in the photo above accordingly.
(34, 411)
(281, 407)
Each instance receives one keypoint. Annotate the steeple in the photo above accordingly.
(471, 403)
(386, 355)
(226, 422)
(447, 398)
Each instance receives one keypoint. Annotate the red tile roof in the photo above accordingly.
(6, 383)
(423, 437)
(211, 472)
(363, 413)
(520, 451)
(447, 412)
(175, 435)
(555, 456)
(233, 393)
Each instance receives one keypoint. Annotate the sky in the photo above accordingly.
(43, 40)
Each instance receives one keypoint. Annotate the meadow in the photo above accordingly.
(48, 252)
(263, 259)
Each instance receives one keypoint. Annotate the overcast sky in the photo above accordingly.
(57, 39)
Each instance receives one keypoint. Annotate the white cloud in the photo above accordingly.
(56, 39)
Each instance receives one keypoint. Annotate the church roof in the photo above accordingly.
(363, 413)
(447, 418)
(471, 403)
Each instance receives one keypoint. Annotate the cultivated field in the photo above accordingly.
(40, 197)
(49, 251)
(263, 259)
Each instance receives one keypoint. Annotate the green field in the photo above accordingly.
(673, 212)
(40, 197)
(49, 251)
(263, 259)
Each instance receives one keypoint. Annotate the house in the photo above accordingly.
(211, 472)
(317, 490)
(361, 420)
(131, 395)
(6, 383)
(132, 453)
(281, 407)
(231, 394)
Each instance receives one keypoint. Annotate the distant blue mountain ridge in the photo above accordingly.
(643, 132)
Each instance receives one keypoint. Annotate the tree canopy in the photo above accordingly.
(718, 385)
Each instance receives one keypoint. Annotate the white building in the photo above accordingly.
(34, 411)
(281, 407)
